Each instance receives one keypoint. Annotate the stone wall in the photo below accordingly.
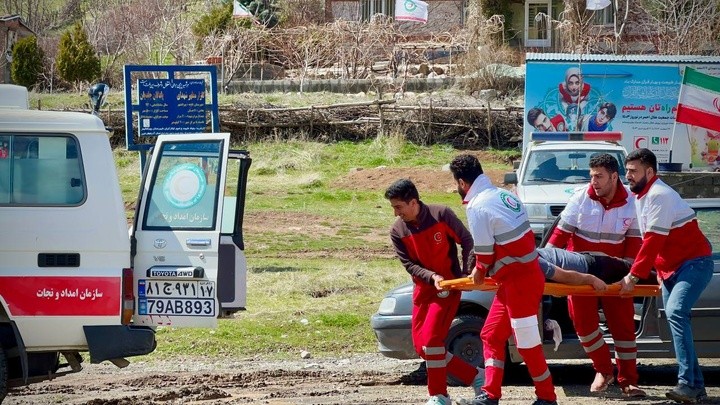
(414, 84)
(693, 184)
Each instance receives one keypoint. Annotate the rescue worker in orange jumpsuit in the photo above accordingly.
(425, 238)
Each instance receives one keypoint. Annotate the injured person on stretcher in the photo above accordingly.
(573, 273)
(582, 268)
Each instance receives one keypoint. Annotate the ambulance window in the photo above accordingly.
(40, 170)
(184, 192)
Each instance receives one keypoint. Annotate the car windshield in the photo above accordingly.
(565, 166)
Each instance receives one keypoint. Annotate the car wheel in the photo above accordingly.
(464, 341)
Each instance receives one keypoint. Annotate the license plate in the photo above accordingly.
(179, 298)
(176, 307)
(176, 289)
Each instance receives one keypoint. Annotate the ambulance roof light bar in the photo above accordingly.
(576, 136)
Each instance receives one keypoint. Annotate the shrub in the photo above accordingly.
(77, 60)
(216, 21)
(27, 62)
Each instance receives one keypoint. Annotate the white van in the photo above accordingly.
(74, 276)
(552, 166)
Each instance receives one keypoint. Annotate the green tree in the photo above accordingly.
(265, 11)
(27, 62)
(217, 21)
(499, 7)
(77, 60)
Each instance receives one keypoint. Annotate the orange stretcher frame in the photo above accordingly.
(555, 289)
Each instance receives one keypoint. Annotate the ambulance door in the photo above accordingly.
(232, 270)
(177, 231)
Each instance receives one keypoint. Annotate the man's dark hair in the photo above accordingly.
(645, 156)
(533, 115)
(606, 161)
(466, 167)
(610, 109)
(403, 189)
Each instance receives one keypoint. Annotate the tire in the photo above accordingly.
(3, 375)
(464, 342)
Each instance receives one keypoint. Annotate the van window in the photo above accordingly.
(40, 170)
(184, 192)
(565, 166)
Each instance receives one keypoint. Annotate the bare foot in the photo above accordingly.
(601, 382)
(632, 391)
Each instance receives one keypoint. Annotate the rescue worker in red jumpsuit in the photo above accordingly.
(425, 238)
(601, 218)
(682, 256)
(504, 247)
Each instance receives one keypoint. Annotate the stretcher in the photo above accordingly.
(555, 289)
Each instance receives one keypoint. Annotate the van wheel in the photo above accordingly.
(3, 374)
(464, 341)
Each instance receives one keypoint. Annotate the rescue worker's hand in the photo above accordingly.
(478, 276)
(627, 285)
(598, 284)
(437, 279)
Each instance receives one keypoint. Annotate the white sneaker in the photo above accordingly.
(479, 381)
(439, 400)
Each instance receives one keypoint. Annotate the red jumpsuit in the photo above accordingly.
(587, 224)
(425, 249)
(504, 247)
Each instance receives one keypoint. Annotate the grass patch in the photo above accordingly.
(322, 306)
(320, 261)
(116, 99)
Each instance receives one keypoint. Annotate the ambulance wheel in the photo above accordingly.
(3, 374)
(464, 341)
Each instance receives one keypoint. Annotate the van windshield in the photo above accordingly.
(565, 166)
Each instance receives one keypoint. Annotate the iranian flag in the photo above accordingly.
(699, 101)
(411, 10)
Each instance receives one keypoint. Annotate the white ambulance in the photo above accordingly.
(553, 165)
(74, 276)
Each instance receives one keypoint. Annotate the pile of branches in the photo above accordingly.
(466, 127)
(463, 127)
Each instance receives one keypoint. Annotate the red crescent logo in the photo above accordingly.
(640, 142)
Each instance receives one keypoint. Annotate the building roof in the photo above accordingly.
(17, 17)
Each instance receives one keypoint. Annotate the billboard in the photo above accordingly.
(636, 95)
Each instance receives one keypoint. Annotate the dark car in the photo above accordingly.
(391, 323)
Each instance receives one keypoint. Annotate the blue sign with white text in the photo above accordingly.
(171, 106)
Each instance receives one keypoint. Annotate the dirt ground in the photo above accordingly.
(425, 179)
(362, 379)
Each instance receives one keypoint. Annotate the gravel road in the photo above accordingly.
(364, 379)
